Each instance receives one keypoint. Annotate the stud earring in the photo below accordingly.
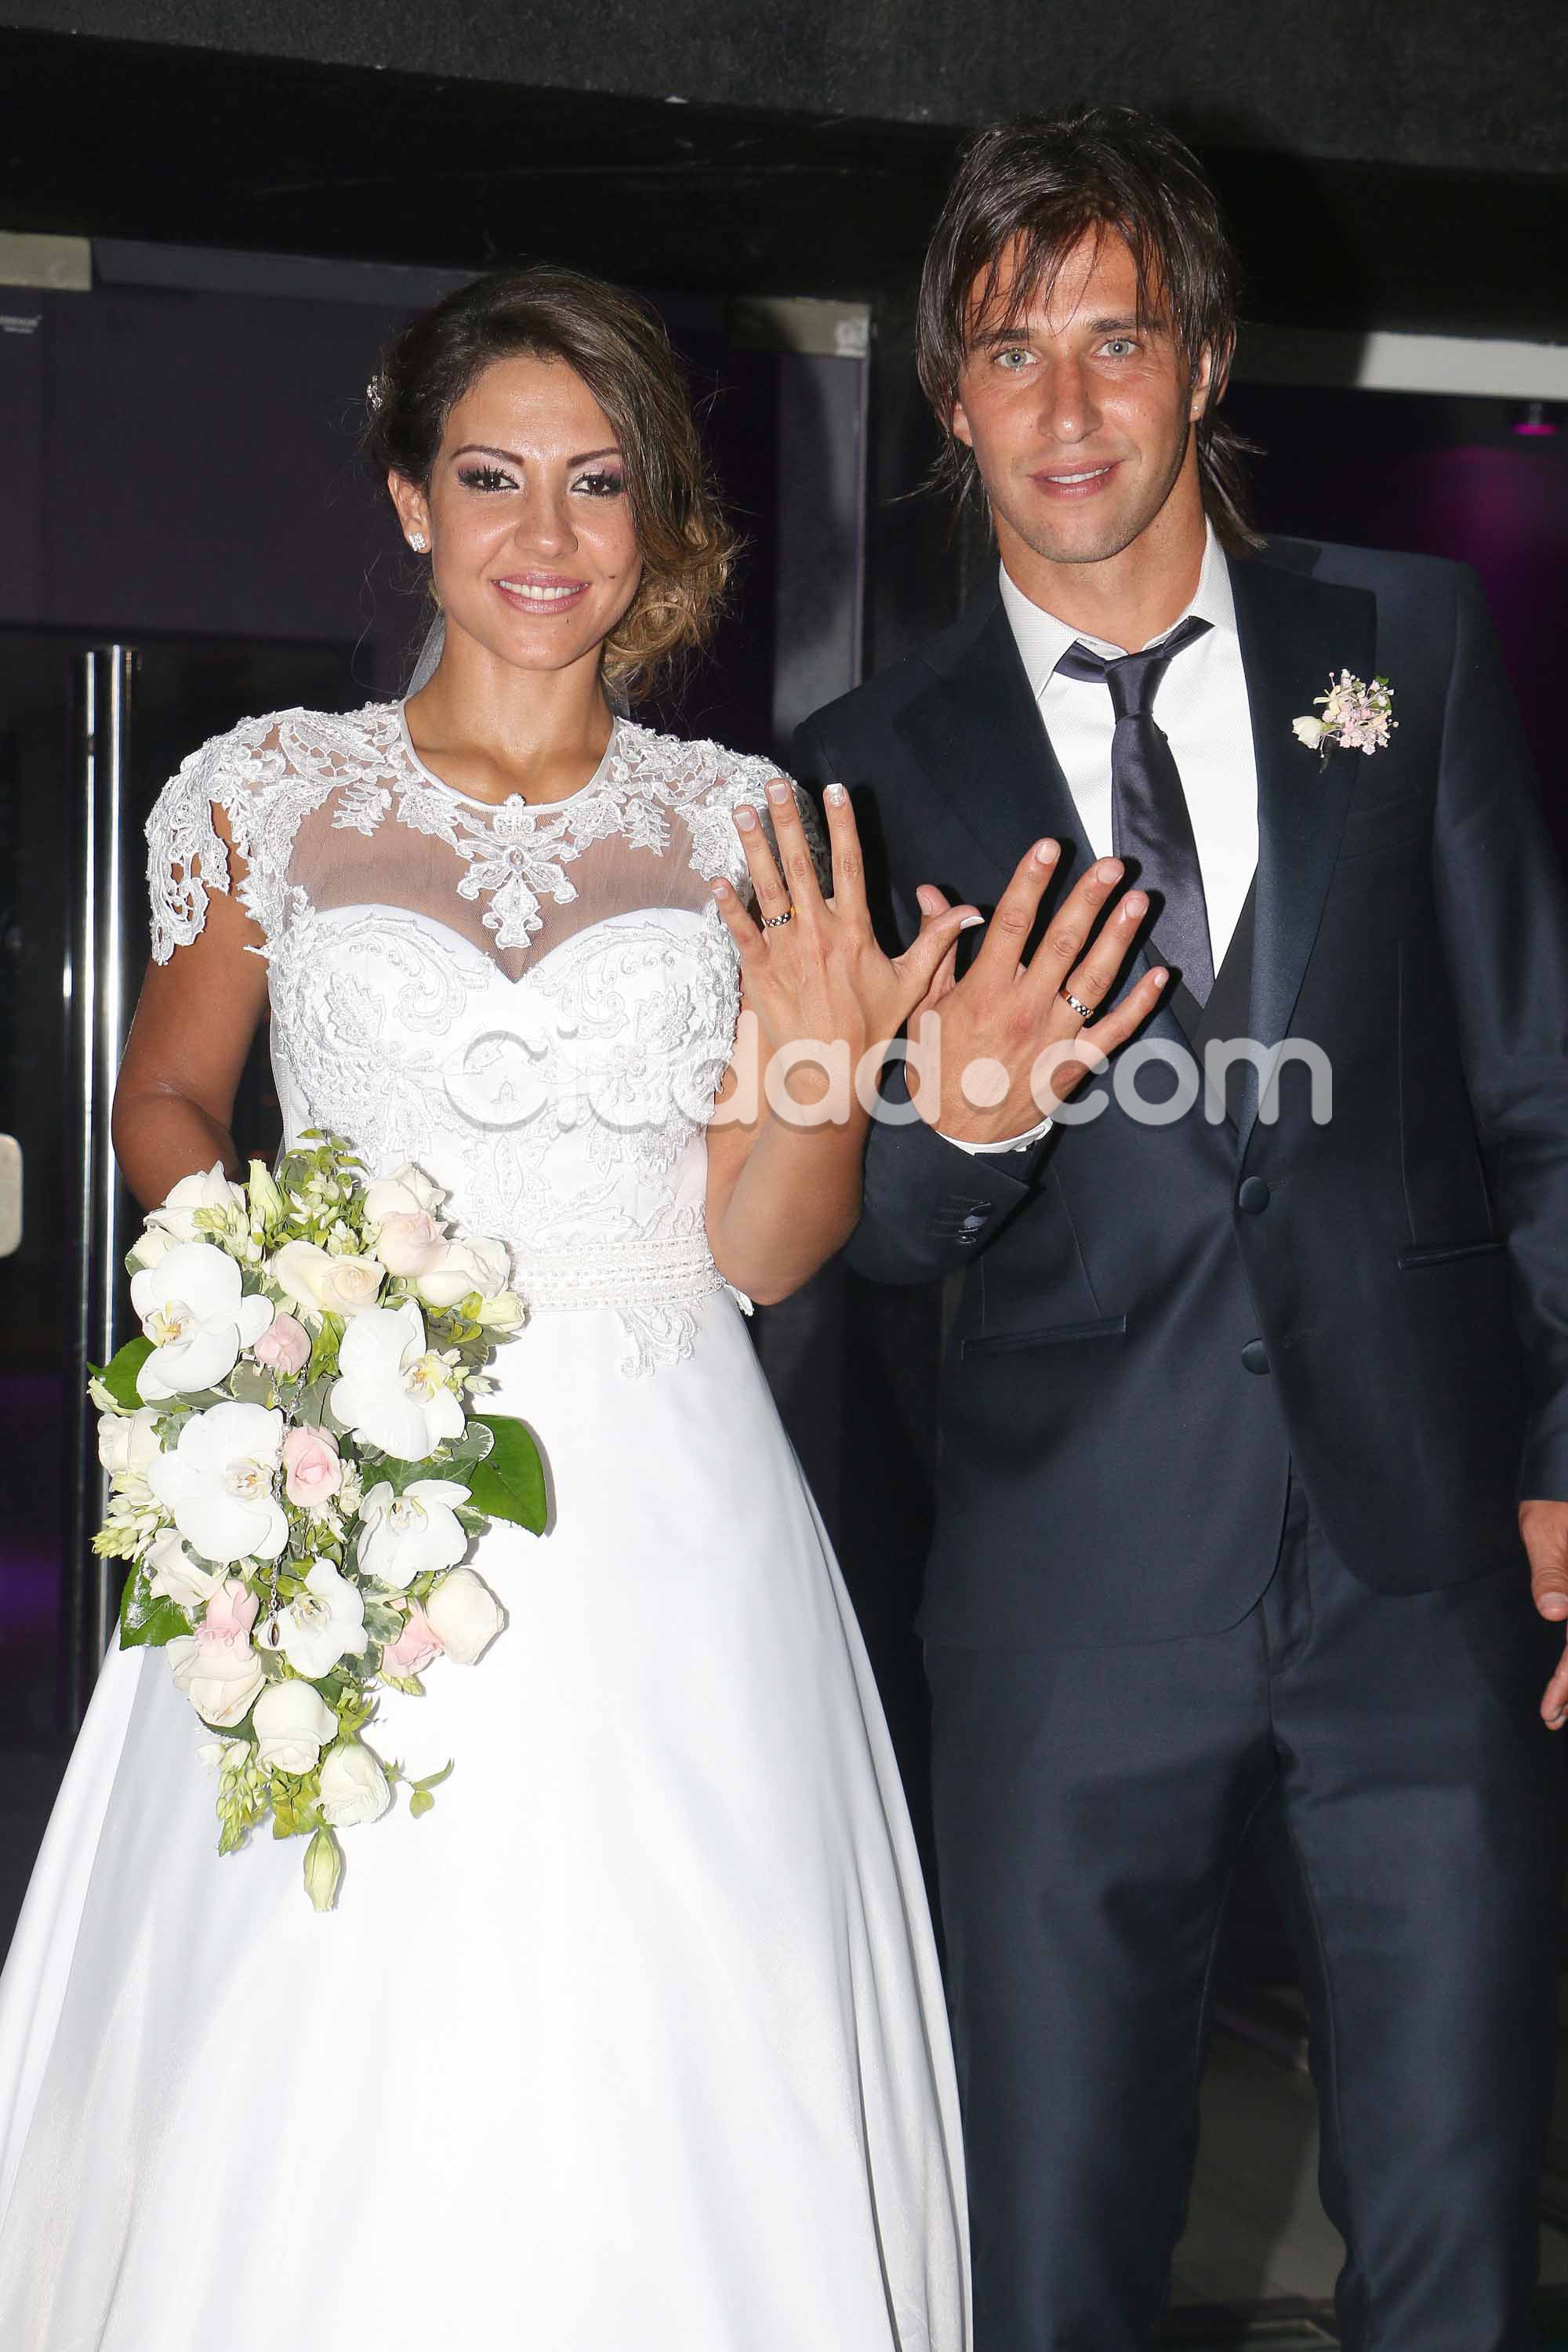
(417, 542)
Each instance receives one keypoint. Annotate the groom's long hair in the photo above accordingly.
(1031, 189)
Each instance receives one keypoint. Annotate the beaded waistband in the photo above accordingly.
(616, 1274)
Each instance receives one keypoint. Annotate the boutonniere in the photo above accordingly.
(1356, 717)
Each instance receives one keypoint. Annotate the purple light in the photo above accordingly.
(1534, 423)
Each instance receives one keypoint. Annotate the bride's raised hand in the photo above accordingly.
(811, 967)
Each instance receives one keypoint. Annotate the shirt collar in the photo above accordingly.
(1042, 639)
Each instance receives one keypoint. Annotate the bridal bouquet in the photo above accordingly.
(297, 1470)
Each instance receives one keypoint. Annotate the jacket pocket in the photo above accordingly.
(998, 1343)
(1410, 1261)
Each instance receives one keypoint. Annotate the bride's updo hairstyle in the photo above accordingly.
(619, 347)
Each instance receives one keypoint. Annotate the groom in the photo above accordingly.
(1253, 1392)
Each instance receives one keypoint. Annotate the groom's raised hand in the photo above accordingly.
(1014, 1041)
(1545, 1527)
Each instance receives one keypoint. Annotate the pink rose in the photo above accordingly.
(284, 1346)
(414, 1648)
(410, 1241)
(313, 1469)
(229, 1615)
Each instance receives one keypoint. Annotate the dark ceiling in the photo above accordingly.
(189, 145)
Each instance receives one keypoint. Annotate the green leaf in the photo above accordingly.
(509, 1483)
(147, 1621)
(252, 1384)
(324, 1348)
(119, 1377)
(475, 1439)
(421, 1801)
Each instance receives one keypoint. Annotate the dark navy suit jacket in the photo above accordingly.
(1157, 1320)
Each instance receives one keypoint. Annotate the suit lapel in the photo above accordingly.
(976, 731)
(1296, 633)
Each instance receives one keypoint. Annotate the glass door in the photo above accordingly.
(88, 732)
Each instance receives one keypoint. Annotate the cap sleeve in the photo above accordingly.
(746, 786)
(186, 855)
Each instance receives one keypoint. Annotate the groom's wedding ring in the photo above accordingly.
(772, 922)
(1085, 1012)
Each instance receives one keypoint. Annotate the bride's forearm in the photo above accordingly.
(159, 1138)
(793, 1204)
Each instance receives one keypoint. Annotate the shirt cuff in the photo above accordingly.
(1004, 1143)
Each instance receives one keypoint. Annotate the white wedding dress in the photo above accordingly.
(637, 2044)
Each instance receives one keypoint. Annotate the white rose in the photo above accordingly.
(405, 1192)
(464, 1615)
(220, 1683)
(151, 1244)
(353, 1786)
(410, 1241)
(292, 1722)
(1310, 731)
(323, 1285)
(175, 1575)
(475, 1265)
(217, 1667)
(266, 1200)
(126, 1442)
(503, 1314)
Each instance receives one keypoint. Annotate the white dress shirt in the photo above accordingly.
(1201, 706)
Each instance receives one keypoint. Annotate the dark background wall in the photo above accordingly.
(1398, 164)
(1431, 82)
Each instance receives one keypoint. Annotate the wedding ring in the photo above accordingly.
(772, 922)
(1084, 1012)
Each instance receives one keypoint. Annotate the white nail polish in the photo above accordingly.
(836, 795)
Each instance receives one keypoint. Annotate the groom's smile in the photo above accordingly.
(1078, 404)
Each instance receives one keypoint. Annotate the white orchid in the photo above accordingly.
(128, 1441)
(218, 1483)
(475, 1265)
(194, 1310)
(208, 1191)
(392, 1390)
(319, 1283)
(411, 1534)
(465, 1615)
(292, 1722)
(324, 1624)
(353, 1786)
(175, 1575)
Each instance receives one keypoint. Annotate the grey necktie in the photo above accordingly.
(1149, 825)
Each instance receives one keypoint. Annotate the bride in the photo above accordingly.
(639, 2047)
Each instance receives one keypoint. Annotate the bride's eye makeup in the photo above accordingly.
(604, 482)
(485, 478)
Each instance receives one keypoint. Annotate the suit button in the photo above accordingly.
(975, 1221)
(1253, 1196)
(1255, 1356)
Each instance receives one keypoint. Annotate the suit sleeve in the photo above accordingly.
(1503, 912)
(928, 1208)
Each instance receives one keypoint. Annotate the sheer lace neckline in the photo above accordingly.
(513, 801)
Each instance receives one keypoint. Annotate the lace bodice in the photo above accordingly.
(535, 1004)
